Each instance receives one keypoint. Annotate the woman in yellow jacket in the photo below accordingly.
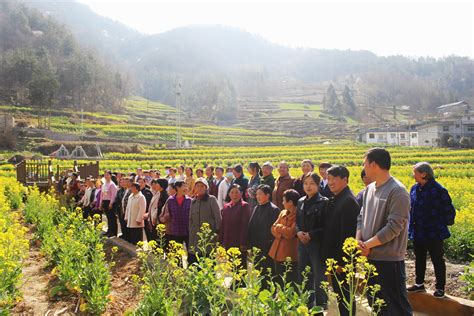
(285, 244)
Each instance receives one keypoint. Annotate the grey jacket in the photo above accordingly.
(205, 210)
(385, 212)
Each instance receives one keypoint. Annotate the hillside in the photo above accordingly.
(65, 56)
(144, 124)
(223, 68)
(44, 66)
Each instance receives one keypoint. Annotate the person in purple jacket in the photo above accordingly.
(178, 208)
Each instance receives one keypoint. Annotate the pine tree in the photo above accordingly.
(349, 105)
(331, 103)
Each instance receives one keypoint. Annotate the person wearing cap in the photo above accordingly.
(267, 176)
(204, 209)
(284, 182)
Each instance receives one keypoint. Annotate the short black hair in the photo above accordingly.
(235, 186)
(292, 196)
(238, 168)
(362, 174)
(220, 168)
(313, 175)
(380, 156)
(324, 165)
(136, 185)
(339, 171)
(265, 189)
(178, 184)
(163, 183)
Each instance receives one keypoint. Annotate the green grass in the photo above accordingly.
(302, 110)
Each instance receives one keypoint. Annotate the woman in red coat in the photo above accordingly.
(235, 221)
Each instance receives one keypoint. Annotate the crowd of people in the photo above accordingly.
(304, 220)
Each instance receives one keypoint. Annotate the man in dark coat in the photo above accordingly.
(150, 235)
(239, 179)
(324, 187)
(340, 223)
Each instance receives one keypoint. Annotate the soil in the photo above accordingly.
(38, 283)
(124, 295)
(454, 286)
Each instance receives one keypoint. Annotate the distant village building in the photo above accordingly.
(78, 153)
(431, 134)
(401, 136)
(454, 109)
(62, 152)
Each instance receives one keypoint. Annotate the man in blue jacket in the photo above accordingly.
(431, 213)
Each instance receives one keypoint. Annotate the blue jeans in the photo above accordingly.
(392, 279)
(310, 255)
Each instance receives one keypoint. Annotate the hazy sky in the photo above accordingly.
(413, 28)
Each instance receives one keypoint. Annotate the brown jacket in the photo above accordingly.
(285, 243)
(281, 185)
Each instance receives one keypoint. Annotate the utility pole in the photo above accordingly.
(178, 113)
(82, 121)
(147, 114)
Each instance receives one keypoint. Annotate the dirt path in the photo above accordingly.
(124, 295)
(454, 286)
(37, 283)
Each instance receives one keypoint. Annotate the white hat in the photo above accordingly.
(203, 181)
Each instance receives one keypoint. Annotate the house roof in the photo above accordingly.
(447, 106)
(400, 129)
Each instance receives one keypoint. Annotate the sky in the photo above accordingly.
(411, 28)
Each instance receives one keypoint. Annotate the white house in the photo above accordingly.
(401, 136)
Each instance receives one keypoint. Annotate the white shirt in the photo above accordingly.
(222, 193)
(136, 207)
(324, 183)
(86, 199)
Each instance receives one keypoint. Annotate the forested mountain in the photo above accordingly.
(43, 65)
(219, 66)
